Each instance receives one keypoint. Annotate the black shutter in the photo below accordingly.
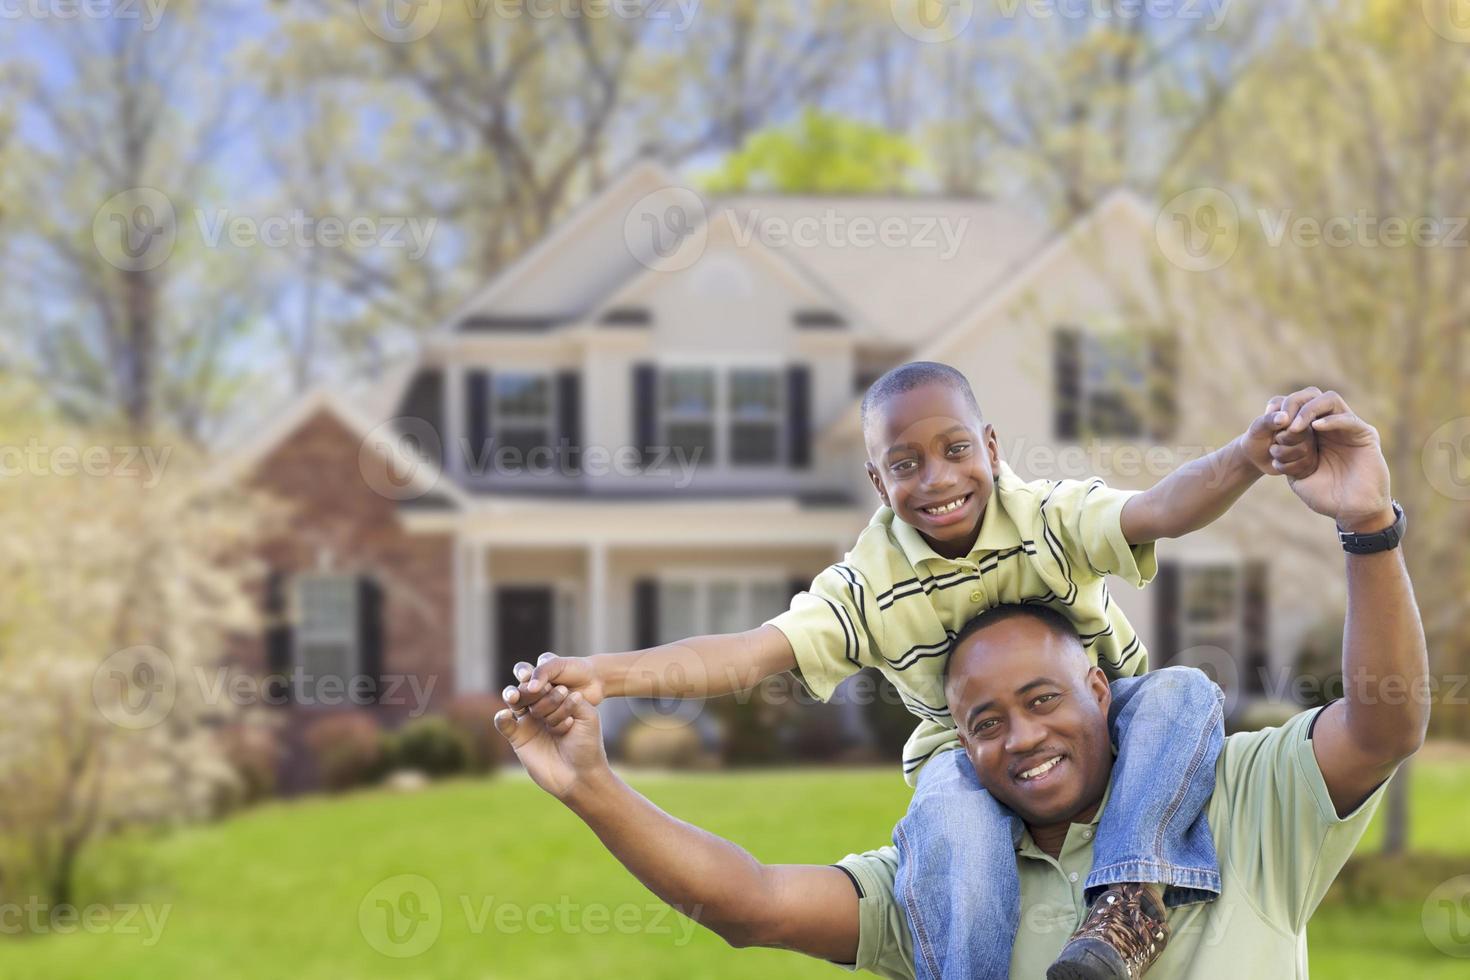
(277, 637)
(1067, 382)
(798, 416)
(645, 395)
(1165, 590)
(1164, 385)
(478, 459)
(370, 633)
(645, 613)
(569, 419)
(1255, 626)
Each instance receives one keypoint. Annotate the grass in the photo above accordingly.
(526, 891)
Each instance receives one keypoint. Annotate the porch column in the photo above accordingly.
(597, 628)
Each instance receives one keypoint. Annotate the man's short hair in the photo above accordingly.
(1047, 616)
(915, 374)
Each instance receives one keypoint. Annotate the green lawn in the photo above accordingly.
(525, 890)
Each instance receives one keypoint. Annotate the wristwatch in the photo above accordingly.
(1385, 540)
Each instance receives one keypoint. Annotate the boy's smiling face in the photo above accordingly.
(933, 460)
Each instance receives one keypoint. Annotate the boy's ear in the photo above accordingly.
(992, 446)
(877, 482)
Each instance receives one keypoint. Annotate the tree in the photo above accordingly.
(1325, 158)
(822, 153)
(123, 573)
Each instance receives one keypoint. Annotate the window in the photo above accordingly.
(1114, 371)
(735, 418)
(1114, 385)
(717, 605)
(688, 410)
(326, 637)
(755, 417)
(1210, 607)
(522, 415)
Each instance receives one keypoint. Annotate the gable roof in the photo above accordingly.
(948, 254)
(1120, 205)
(425, 476)
(534, 287)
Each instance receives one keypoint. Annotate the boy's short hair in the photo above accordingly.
(915, 374)
(1053, 620)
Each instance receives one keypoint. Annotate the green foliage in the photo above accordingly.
(277, 891)
(822, 153)
(432, 745)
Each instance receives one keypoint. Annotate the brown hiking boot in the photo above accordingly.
(1122, 936)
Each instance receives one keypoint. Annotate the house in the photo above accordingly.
(646, 428)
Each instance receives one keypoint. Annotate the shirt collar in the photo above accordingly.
(997, 530)
(1025, 845)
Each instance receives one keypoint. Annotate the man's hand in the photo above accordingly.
(573, 673)
(1350, 482)
(558, 740)
(1271, 445)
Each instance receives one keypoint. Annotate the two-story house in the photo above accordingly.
(647, 428)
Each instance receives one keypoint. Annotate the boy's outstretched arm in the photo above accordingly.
(1201, 491)
(699, 667)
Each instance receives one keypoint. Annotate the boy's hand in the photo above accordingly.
(1275, 445)
(551, 671)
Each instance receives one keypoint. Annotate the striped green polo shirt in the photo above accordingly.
(1280, 843)
(894, 604)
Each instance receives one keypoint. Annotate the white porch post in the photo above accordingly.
(597, 628)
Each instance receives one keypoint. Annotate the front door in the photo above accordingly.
(523, 624)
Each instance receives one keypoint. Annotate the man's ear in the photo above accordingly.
(877, 482)
(992, 446)
(1097, 682)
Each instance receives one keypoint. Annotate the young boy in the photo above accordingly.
(959, 533)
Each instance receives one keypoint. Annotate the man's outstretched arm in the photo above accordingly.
(1384, 713)
(808, 909)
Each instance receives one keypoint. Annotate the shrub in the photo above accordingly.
(665, 748)
(430, 744)
(473, 716)
(253, 751)
(347, 749)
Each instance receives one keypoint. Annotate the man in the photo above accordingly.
(1288, 807)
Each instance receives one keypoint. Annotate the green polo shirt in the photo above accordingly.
(892, 603)
(1280, 843)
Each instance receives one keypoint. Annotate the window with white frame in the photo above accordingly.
(1210, 606)
(326, 632)
(717, 605)
(730, 418)
(687, 409)
(1114, 376)
(522, 413)
(755, 417)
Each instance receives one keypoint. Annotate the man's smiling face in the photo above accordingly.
(933, 460)
(1032, 714)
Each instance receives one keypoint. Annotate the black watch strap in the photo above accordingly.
(1375, 541)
